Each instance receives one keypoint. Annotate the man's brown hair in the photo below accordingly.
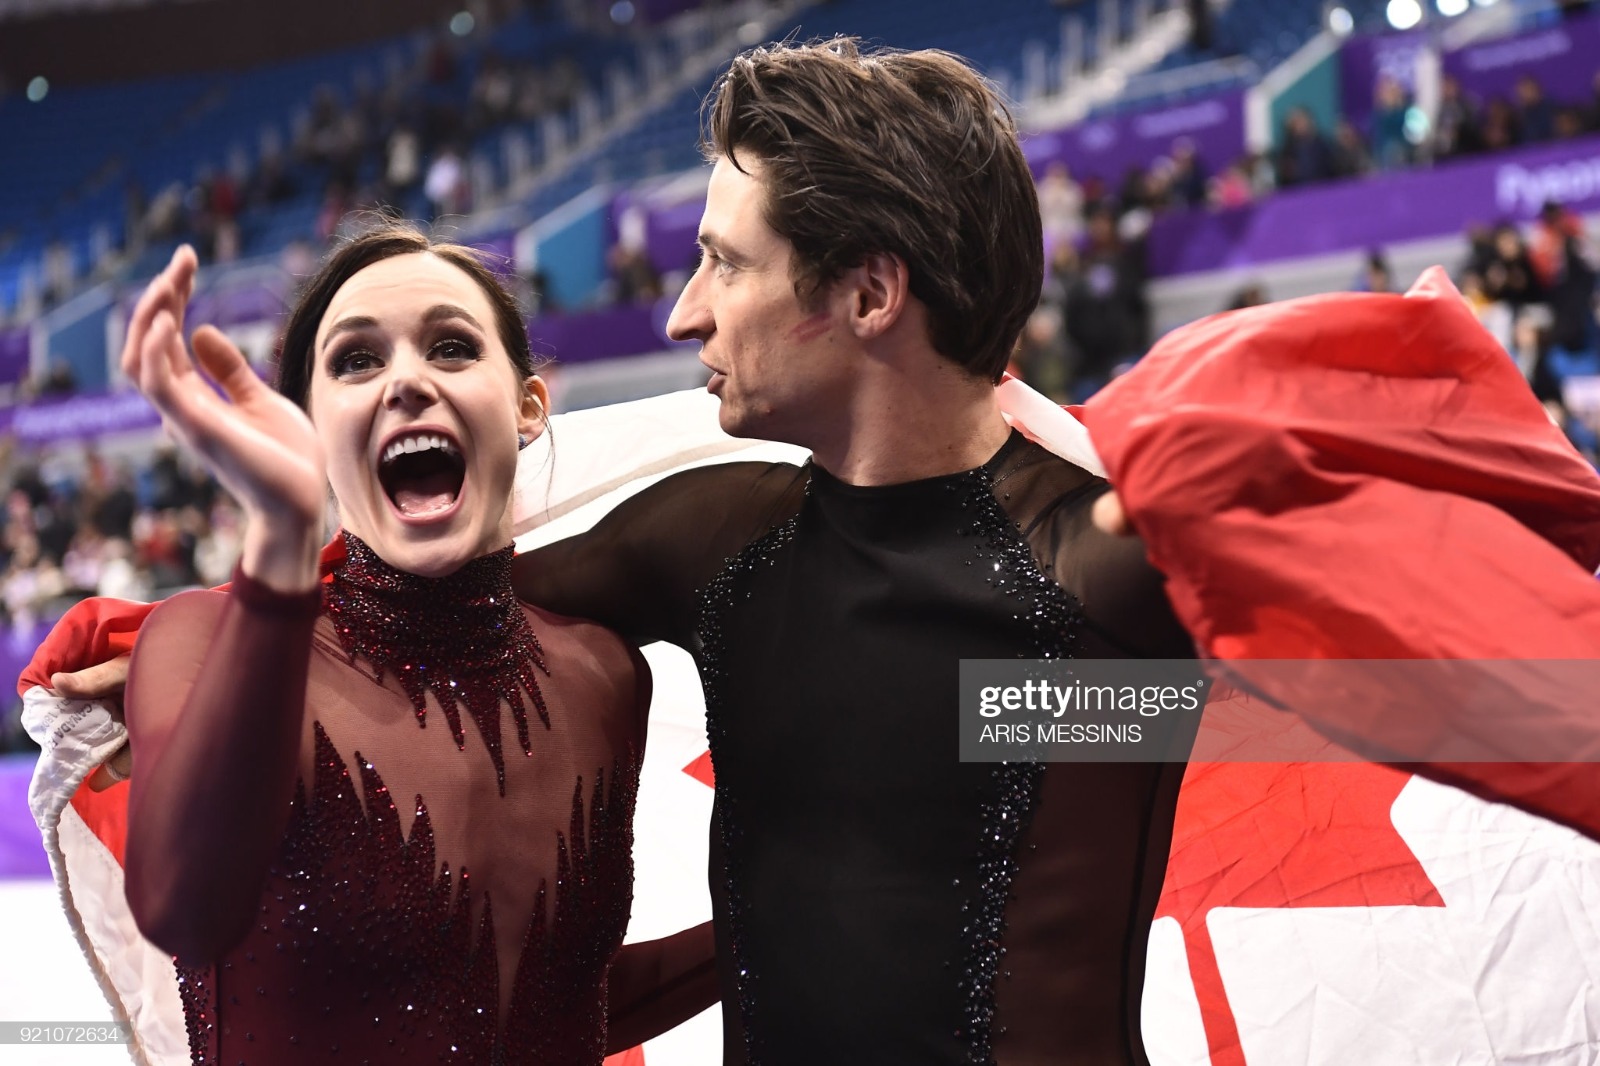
(911, 154)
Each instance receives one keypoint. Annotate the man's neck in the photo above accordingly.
(902, 430)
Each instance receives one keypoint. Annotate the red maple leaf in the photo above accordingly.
(1256, 834)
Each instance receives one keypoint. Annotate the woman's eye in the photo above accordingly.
(456, 349)
(354, 361)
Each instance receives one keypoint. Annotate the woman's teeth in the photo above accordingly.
(418, 443)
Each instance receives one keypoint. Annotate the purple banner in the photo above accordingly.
(602, 334)
(1563, 58)
(1380, 210)
(15, 346)
(21, 848)
(83, 417)
(1108, 147)
(1364, 60)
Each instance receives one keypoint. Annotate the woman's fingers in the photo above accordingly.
(170, 291)
(224, 363)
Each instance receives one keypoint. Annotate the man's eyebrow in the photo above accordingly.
(710, 242)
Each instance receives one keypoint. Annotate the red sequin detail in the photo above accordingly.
(463, 637)
(374, 957)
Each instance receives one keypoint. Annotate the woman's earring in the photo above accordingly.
(523, 442)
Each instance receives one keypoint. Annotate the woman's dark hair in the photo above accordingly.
(296, 351)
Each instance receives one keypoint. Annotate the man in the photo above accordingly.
(872, 248)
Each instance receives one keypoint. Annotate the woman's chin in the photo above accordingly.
(430, 550)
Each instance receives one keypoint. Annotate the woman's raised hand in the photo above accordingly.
(261, 447)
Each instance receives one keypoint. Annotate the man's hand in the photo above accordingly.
(103, 682)
(1109, 516)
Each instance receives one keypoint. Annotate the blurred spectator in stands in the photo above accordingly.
(60, 273)
(634, 278)
(1535, 114)
(446, 184)
(32, 579)
(1350, 156)
(1495, 315)
(1232, 188)
(1508, 274)
(402, 166)
(1528, 332)
(166, 547)
(1043, 357)
(1188, 179)
(106, 502)
(1375, 275)
(134, 206)
(1303, 154)
(493, 93)
(1592, 112)
(169, 487)
(1569, 123)
(336, 204)
(1250, 294)
(1502, 128)
(220, 541)
(1573, 343)
(1061, 206)
(1134, 192)
(1061, 273)
(1455, 125)
(1390, 147)
(1106, 313)
(59, 380)
(121, 575)
(1548, 244)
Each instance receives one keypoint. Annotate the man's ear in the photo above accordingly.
(879, 289)
(535, 407)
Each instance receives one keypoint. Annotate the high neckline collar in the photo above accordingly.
(828, 485)
(463, 637)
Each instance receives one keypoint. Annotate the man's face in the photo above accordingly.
(782, 368)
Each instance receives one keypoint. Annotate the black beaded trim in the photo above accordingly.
(1051, 617)
(719, 594)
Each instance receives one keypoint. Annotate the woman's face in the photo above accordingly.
(418, 408)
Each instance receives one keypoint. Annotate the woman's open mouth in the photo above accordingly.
(422, 474)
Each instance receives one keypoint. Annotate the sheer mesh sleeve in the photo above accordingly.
(215, 697)
(655, 985)
(1125, 606)
(638, 569)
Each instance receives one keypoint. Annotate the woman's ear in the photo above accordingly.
(535, 412)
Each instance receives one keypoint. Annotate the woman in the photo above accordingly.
(337, 880)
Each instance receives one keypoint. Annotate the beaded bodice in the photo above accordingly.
(431, 901)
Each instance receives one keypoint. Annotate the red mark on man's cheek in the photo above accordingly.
(810, 328)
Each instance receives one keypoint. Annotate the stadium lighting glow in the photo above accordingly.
(1403, 14)
(461, 23)
(622, 12)
(1451, 8)
(1341, 22)
(38, 88)
(1484, 3)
